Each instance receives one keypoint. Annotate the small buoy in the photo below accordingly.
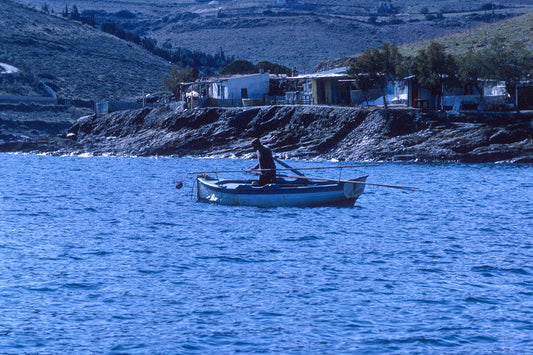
(179, 185)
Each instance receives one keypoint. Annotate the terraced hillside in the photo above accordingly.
(296, 36)
(77, 61)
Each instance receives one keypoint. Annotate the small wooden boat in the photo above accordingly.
(295, 193)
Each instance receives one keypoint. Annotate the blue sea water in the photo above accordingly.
(103, 255)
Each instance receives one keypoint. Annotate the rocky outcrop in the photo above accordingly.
(297, 132)
(16, 131)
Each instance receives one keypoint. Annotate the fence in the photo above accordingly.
(473, 103)
(112, 106)
(41, 100)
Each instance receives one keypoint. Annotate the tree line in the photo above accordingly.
(207, 63)
(436, 70)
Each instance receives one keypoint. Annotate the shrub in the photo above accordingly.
(273, 68)
(239, 67)
(125, 14)
(179, 74)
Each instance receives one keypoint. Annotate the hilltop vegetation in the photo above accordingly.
(516, 29)
(75, 60)
(298, 36)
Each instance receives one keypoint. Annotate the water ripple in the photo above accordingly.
(101, 255)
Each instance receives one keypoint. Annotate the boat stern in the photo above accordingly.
(355, 189)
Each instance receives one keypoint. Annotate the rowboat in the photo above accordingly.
(284, 193)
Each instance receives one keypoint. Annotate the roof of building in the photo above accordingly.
(333, 73)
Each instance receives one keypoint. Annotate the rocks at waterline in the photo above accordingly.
(326, 132)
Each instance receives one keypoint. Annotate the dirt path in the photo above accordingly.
(8, 69)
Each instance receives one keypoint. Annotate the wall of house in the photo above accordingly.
(524, 97)
(231, 89)
(216, 91)
(329, 91)
(418, 96)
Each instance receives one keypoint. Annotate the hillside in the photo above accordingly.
(296, 36)
(518, 28)
(77, 61)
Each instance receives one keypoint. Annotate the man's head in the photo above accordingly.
(256, 143)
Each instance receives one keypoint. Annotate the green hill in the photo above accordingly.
(518, 28)
(77, 61)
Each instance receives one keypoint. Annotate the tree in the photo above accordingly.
(472, 68)
(179, 74)
(435, 69)
(239, 67)
(362, 81)
(75, 14)
(273, 68)
(149, 43)
(377, 66)
(510, 63)
(109, 27)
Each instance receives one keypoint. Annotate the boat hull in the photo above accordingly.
(243, 193)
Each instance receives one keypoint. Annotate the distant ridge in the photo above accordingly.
(294, 36)
(518, 28)
(76, 60)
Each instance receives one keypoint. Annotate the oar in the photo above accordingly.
(179, 183)
(292, 169)
(350, 181)
(288, 167)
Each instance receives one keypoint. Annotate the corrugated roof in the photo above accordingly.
(337, 72)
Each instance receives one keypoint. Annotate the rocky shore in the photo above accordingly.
(343, 133)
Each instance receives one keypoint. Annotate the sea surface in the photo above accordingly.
(103, 255)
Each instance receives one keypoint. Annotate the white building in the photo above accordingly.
(253, 86)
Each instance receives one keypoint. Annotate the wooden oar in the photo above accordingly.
(350, 181)
(292, 169)
(288, 167)
(179, 183)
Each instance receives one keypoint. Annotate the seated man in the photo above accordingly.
(265, 163)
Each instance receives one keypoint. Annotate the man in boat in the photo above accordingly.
(265, 163)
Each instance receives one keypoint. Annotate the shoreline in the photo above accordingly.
(295, 132)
